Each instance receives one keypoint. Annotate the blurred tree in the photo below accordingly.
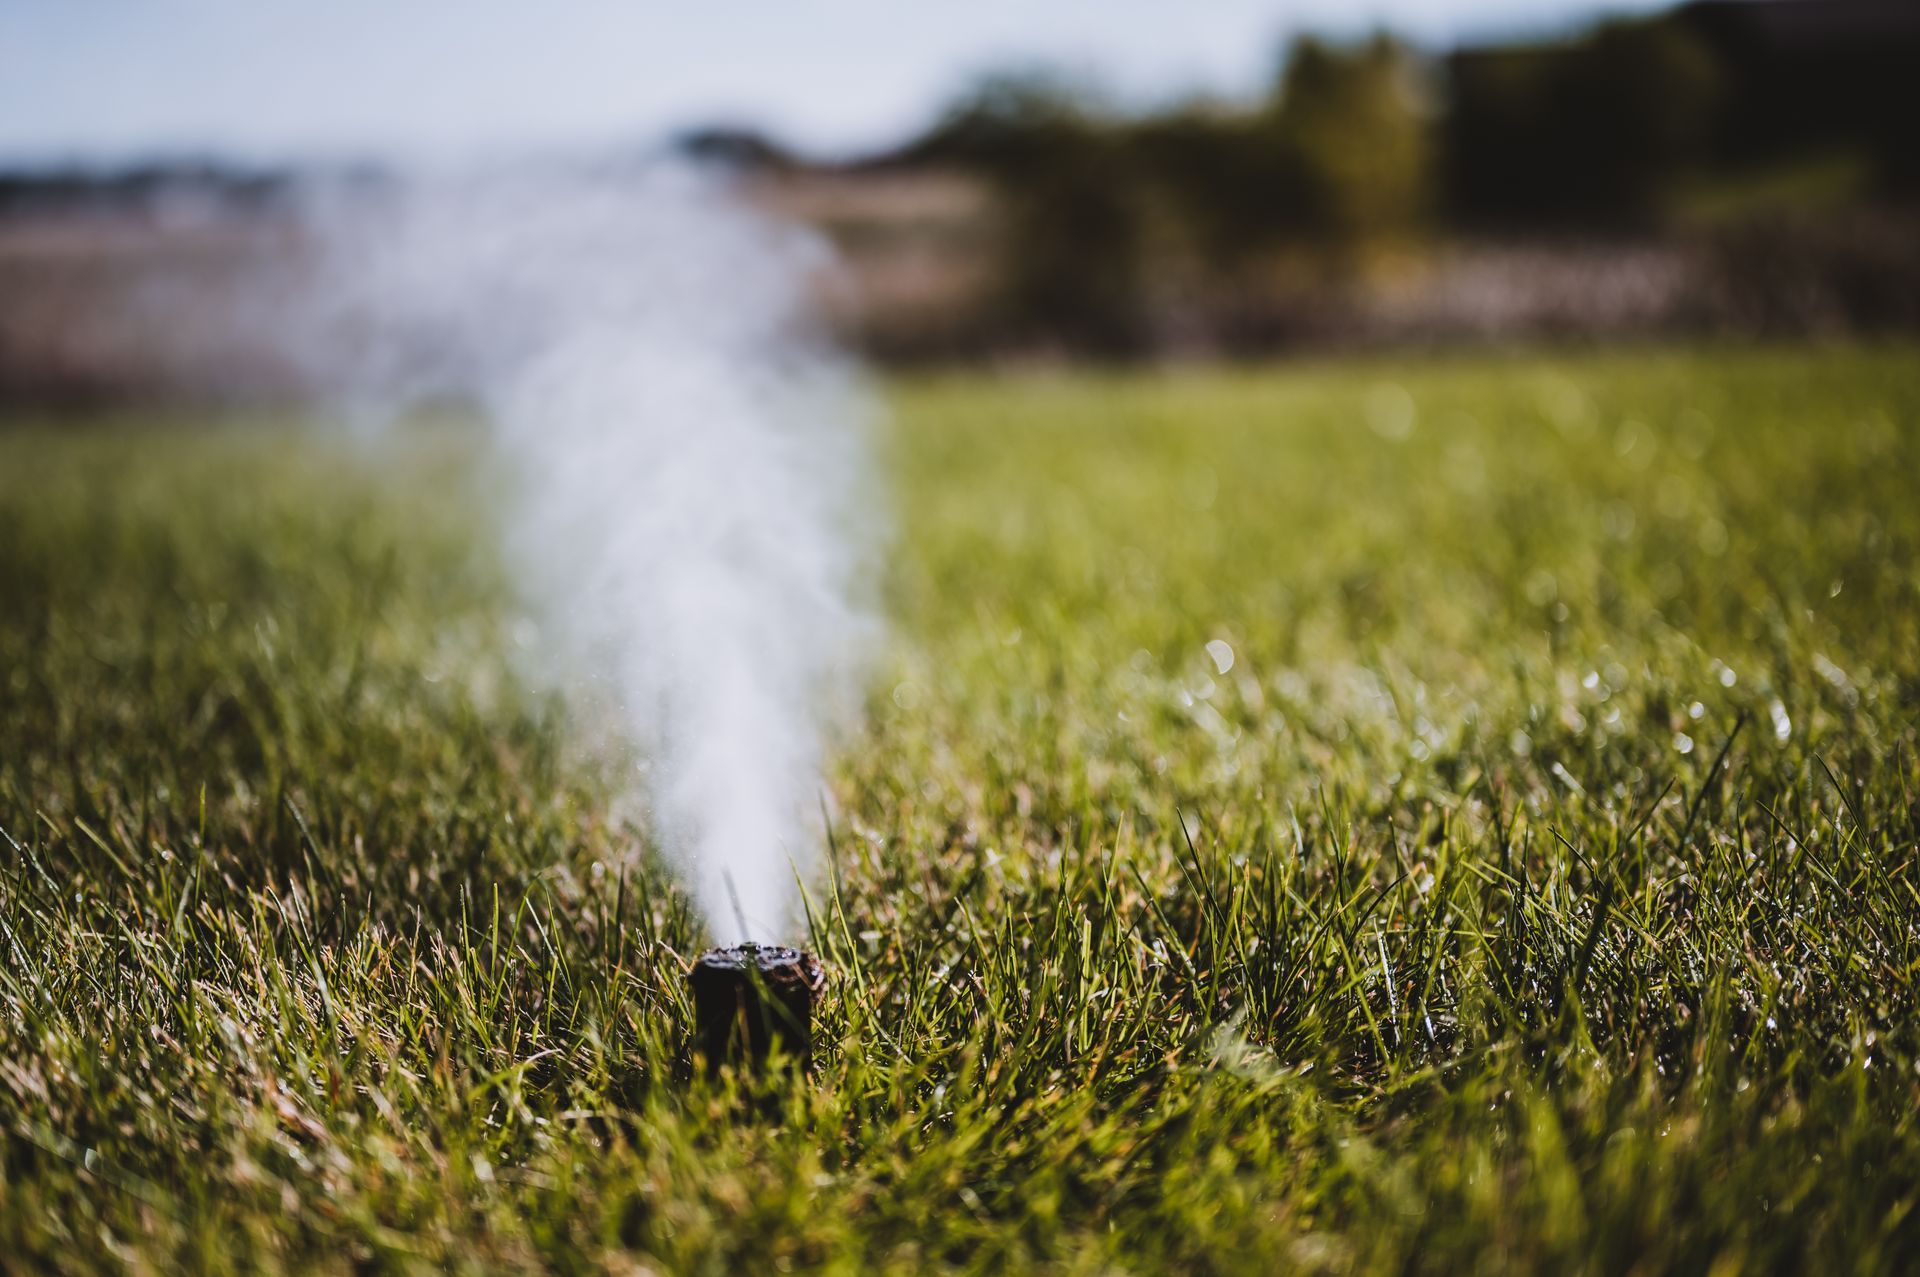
(1594, 133)
(1816, 79)
(1228, 191)
(1072, 272)
(1351, 125)
(1341, 151)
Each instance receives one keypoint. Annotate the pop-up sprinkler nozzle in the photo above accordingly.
(751, 998)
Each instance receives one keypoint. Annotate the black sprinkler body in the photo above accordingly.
(750, 998)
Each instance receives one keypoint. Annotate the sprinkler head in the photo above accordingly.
(750, 997)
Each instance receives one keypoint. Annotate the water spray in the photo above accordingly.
(687, 520)
(687, 517)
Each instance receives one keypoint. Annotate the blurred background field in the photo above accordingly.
(1392, 814)
(1726, 168)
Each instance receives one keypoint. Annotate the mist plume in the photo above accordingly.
(689, 518)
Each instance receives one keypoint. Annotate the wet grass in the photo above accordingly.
(1398, 817)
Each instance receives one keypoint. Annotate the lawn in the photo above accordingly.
(1388, 816)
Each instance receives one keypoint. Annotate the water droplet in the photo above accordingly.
(1566, 778)
(1391, 412)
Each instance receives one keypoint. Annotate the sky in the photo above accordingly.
(102, 81)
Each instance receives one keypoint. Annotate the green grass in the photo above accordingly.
(1536, 890)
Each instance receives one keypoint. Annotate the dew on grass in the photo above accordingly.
(1391, 412)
